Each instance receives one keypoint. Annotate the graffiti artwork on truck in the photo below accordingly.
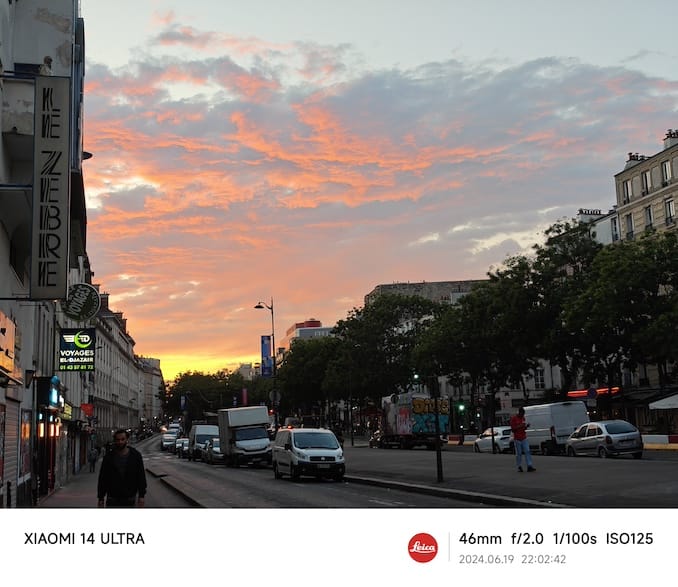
(423, 415)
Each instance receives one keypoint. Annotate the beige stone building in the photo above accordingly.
(646, 191)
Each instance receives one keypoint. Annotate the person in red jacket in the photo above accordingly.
(522, 446)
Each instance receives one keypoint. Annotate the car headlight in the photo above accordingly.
(301, 455)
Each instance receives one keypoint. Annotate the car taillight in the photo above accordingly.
(608, 440)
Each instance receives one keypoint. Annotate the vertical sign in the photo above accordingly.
(266, 360)
(51, 189)
(77, 349)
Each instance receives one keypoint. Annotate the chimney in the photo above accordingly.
(671, 138)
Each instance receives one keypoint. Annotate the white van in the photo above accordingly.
(552, 424)
(314, 452)
(198, 436)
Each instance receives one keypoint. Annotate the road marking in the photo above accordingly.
(387, 503)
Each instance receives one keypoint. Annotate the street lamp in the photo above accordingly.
(274, 398)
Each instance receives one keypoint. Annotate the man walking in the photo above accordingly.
(122, 477)
(92, 458)
(520, 442)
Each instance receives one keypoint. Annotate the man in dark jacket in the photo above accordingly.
(122, 477)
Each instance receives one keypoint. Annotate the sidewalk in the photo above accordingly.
(81, 489)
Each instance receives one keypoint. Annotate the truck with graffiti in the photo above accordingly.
(408, 420)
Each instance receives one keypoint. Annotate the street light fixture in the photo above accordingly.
(274, 398)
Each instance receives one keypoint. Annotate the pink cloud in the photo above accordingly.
(220, 183)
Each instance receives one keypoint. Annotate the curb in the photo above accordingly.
(472, 496)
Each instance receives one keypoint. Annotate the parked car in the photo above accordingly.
(167, 440)
(181, 447)
(197, 437)
(212, 453)
(308, 451)
(503, 440)
(606, 438)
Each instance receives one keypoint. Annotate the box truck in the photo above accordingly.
(244, 435)
(552, 424)
(408, 420)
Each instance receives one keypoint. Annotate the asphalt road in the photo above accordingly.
(218, 486)
(405, 479)
(467, 478)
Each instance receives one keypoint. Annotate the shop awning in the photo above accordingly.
(668, 403)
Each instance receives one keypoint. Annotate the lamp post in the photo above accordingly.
(274, 398)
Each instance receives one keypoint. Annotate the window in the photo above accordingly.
(646, 180)
(628, 224)
(539, 378)
(669, 211)
(615, 229)
(666, 172)
(627, 192)
(648, 217)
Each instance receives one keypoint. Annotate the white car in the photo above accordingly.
(168, 440)
(503, 440)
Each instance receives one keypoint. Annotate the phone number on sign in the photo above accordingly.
(509, 559)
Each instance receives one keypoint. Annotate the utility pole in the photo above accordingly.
(435, 388)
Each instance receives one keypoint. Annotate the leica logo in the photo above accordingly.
(418, 547)
(422, 548)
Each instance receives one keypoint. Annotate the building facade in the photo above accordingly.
(436, 291)
(303, 331)
(51, 410)
(647, 190)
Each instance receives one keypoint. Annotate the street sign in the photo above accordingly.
(592, 393)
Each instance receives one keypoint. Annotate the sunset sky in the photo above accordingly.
(310, 150)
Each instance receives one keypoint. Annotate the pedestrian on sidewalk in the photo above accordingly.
(92, 458)
(520, 442)
(122, 477)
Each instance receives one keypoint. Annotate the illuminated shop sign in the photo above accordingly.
(76, 349)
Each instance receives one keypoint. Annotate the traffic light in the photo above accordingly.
(461, 407)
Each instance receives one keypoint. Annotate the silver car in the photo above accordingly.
(212, 453)
(606, 438)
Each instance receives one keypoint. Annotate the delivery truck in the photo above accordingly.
(550, 425)
(243, 433)
(408, 420)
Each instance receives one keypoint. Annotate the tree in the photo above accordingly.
(382, 336)
(561, 271)
(302, 375)
(656, 340)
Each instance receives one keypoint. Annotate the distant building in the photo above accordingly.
(437, 291)
(248, 370)
(304, 330)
